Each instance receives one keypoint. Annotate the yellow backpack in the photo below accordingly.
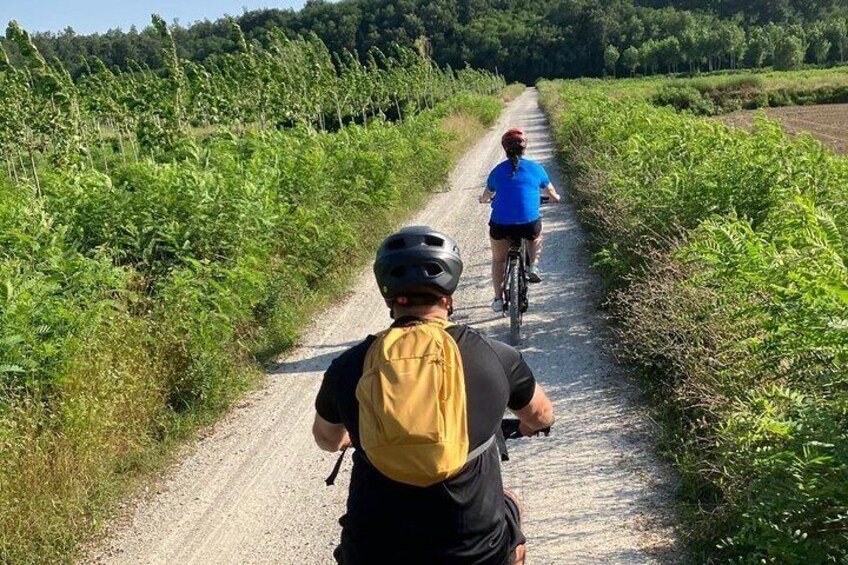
(413, 421)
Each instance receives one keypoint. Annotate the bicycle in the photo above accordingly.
(515, 286)
(515, 282)
(510, 429)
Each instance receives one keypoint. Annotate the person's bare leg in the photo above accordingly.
(534, 248)
(520, 553)
(500, 250)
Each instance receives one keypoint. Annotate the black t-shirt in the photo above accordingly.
(458, 521)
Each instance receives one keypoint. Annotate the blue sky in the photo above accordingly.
(90, 16)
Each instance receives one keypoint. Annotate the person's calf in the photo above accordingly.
(519, 555)
(534, 247)
(498, 268)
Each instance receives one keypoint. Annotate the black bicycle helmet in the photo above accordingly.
(417, 260)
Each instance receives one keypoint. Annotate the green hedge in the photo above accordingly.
(135, 299)
(709, 96)
(726, 254)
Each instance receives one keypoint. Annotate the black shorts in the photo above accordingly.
(512, 231)
(355, 553)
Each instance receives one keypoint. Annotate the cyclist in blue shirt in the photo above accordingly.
(514, 188)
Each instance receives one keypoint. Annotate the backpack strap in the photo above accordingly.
(499, 437)
(477, 452)
(331, 480)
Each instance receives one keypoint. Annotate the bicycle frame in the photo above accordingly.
(515, 287)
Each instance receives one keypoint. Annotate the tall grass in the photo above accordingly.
(726, 256)
(135, 300)
(513, 91)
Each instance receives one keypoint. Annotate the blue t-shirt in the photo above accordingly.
(517, 197)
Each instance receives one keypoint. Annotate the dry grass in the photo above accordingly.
(462, 129)
(58, 466)
(512, 91)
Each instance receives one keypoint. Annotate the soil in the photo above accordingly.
(827, 122)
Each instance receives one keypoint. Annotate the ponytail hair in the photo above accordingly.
(514, 154)
(514, 142)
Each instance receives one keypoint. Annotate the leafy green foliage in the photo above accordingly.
(147, 263)
(726, 252)
(721, 94)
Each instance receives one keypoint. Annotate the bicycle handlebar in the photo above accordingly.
(542, 200)
(510, 428)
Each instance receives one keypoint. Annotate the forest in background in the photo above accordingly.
(525, 40)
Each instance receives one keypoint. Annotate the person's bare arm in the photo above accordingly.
(487, 196)
(552, 193)
(537, 415)
(329, 437)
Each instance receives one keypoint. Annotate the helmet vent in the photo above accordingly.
(433, 270)
(434, 241)
(395, 244)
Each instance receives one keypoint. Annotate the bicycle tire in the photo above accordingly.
(514, 304)
(523, 300)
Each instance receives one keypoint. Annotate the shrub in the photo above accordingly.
(727, 254)
(135, 299)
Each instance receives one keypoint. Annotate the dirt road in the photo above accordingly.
(253, 490)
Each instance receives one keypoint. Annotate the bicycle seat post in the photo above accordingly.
(515, 246)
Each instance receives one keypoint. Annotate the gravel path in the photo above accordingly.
(253, 491)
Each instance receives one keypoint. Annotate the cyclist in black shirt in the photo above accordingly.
(468, 518)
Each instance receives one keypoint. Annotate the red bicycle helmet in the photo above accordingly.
(514, 138)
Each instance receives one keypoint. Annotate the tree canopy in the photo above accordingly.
(523, 40)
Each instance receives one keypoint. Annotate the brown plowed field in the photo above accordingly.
(827, 123)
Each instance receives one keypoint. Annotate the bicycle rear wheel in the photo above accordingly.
(514, 303)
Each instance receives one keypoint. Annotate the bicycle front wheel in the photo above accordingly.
(514, 305)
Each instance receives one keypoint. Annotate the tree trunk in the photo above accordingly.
(34, 173)
(21, 162)
(397, 105)
(13, 171)
(339, 112)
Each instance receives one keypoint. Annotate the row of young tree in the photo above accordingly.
(292, 82)
(728, 45)
(524, 40)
